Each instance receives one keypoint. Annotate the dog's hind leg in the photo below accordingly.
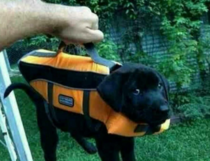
(87, 146)
(48, 134)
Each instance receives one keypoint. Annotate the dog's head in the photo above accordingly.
(139, 92)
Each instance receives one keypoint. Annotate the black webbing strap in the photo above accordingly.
(50, 101)
(91, 50)
(86, 111)
(46, 106)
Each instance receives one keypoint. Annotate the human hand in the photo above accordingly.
(77, 25)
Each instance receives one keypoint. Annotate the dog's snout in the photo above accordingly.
(161, 111)
(164, 108)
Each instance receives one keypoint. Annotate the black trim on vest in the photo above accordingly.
(50, 101)
(86, 111)
(70, 78)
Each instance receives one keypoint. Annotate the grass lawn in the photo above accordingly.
(184, 142)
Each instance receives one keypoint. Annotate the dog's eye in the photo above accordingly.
(136, 92)
(160, 86)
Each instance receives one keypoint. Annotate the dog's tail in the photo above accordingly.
(29, 91)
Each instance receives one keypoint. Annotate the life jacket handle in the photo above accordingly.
(92, 52)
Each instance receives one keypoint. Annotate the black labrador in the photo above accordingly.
(139, 92)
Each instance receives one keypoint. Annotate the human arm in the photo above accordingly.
(23, 18)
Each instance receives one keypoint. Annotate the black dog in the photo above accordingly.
(137, 91)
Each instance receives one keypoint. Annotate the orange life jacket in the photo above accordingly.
(63, 79)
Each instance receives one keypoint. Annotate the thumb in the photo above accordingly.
(95, 35)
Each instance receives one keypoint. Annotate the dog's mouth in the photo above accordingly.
(160, 119)
(156, 117)
(150, 118)
(155, 125)
(151, 128)
(157, 122)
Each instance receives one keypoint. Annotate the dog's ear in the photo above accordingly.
(111, 89)
(166, 86)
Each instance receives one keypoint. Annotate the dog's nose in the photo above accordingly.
(164, 108)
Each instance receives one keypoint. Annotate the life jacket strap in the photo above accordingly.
(92, 52)
(86, 111)
(49, 109)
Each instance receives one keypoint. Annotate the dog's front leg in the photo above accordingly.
(108, 148)
(48, 135)
(127, 149)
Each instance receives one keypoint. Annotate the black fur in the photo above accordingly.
(135, 90)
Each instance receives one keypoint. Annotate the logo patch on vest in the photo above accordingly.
(66, 100)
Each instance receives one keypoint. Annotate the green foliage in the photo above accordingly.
(203, 50)
(176, 70)
(140, 57)
(181, 24)
(42, 41)
(108, 49)
(197, 107)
